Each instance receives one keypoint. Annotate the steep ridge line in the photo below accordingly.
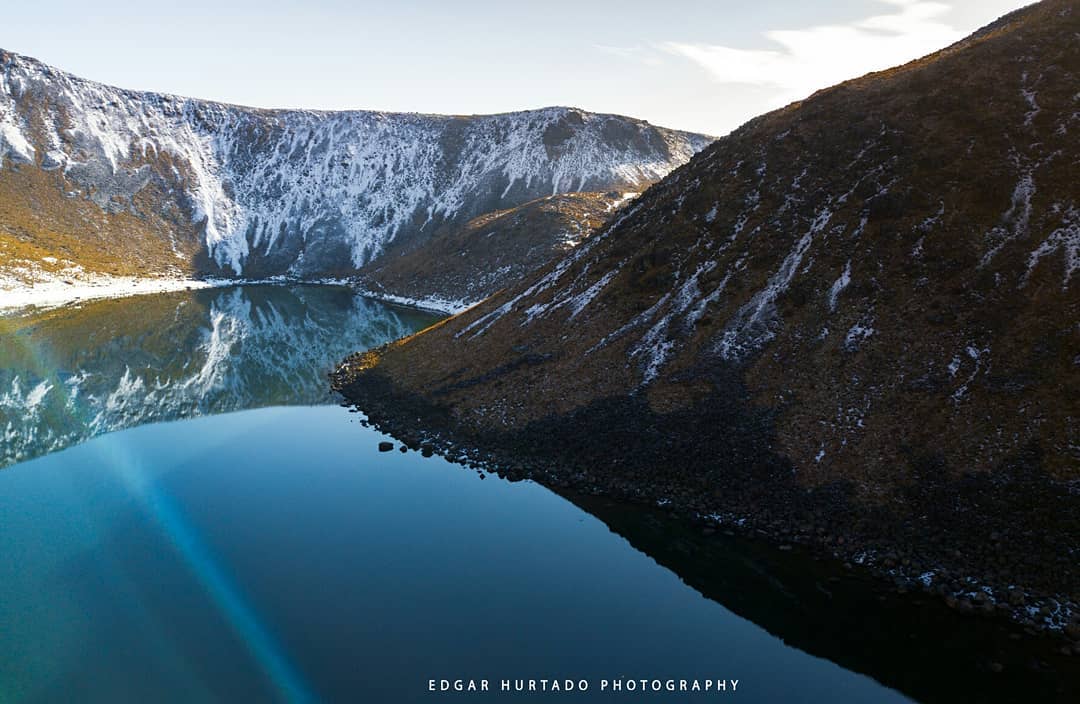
(850, 323)
(89, 173)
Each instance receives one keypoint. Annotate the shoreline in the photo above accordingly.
(59, 292)
(56, 293)
(825, 526)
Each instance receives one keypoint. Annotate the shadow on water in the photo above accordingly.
(200, 560)
(911, 642)
(70, 374)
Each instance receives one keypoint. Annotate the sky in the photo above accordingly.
(701, 65)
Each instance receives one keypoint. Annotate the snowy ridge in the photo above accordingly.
(262, 185)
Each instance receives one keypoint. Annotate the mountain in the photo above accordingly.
(850, 323)
(492, 251)
(127, 182)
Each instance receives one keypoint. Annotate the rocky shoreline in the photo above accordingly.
(961, 546)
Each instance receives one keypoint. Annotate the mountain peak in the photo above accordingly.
(221, 189)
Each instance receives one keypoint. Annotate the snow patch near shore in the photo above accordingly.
(53, 293)
(432, 303)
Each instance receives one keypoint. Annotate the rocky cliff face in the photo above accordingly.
(236, 191)
(864, 304)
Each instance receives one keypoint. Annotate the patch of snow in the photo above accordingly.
(928, 224)
(432, 303)
(623, 200)
(839, 285)
(857, 334)
(54, 292)
(1065, 239)
(976, 355)
(13, 143)
(638, 320)
(1016, 219)
(752, 325)
(483, 323)
(686, 308)
(581, 301)
(861, 227)
(1029, 97)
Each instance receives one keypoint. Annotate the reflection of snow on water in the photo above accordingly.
(209, 353)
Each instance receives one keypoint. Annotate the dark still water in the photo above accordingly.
(199, 521)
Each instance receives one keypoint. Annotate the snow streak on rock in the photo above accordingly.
(754, 324)
(1065, 239)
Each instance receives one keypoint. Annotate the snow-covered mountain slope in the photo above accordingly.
(69, 375)
(864, 306)
(259, 192)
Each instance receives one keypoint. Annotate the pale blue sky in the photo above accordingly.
(705, 65)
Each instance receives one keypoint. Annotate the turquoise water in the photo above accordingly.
(189, 516)
(275, 553)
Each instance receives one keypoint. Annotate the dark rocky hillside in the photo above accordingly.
(491, 251)
(852, 323)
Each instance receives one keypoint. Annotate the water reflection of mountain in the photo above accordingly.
(70, 374)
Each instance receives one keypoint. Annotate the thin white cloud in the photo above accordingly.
(816, 57)
(637, 54)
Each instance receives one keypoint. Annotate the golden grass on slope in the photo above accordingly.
(42, 216)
